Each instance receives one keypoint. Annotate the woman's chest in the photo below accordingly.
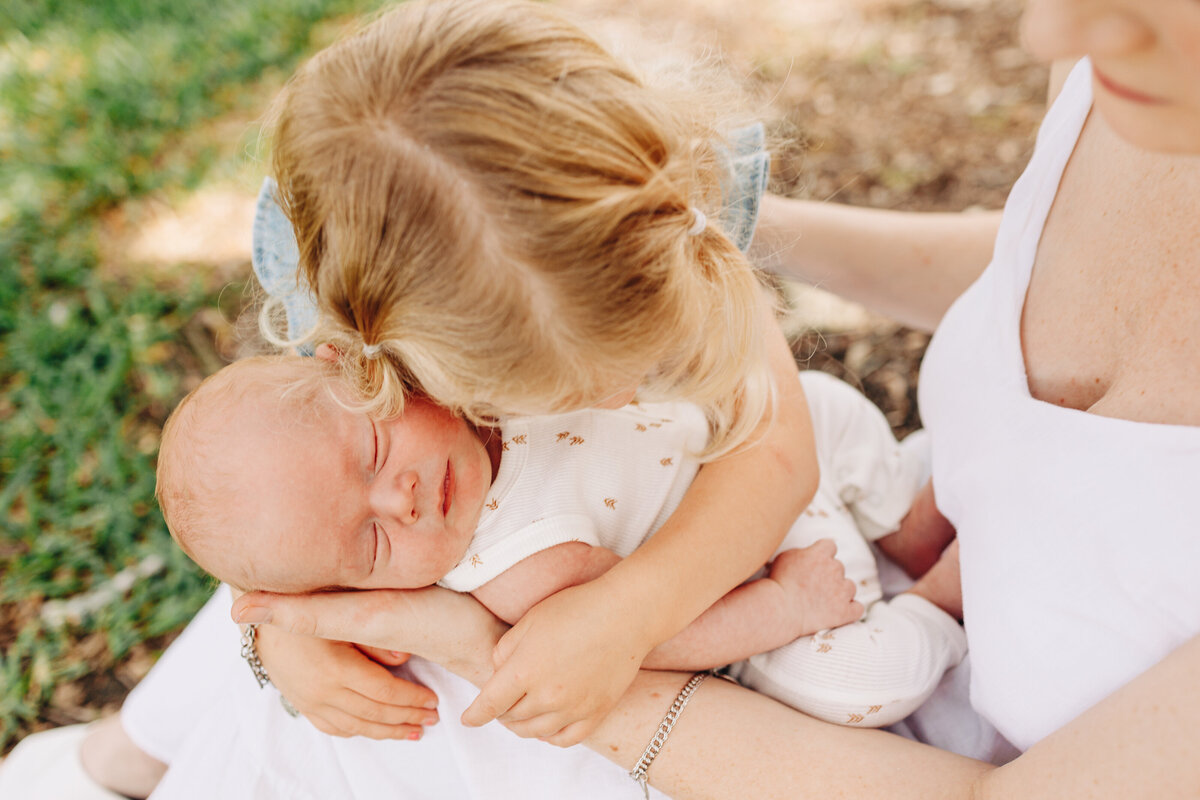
(1111, 322)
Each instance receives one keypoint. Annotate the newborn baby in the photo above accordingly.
(269, 480)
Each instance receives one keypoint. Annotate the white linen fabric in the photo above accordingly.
(1078, 537)
(612, 478)
(202, 712)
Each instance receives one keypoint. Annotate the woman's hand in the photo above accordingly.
(342, 691)
(562, 667)
(439, 625)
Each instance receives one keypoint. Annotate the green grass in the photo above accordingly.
(95, 101)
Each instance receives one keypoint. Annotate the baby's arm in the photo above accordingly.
(804, 592)
(531, 580)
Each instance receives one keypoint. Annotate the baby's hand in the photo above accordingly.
(818, 593)
(562, 667)
(342, 691)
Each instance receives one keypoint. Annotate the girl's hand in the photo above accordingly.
(562, 668)
(342, 691)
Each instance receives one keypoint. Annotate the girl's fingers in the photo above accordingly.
(345, 725)
(497, 697)
(571, 735)
(323, 725)
(368, 710)
(525, 710)
(541, 726)
(377, 684)
(387, 658)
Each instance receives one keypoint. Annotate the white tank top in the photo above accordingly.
(1080, 543)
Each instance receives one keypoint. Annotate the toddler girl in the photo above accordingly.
(493, 211)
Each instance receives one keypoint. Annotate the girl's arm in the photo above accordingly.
(1140, 742)
(909, 266)
(805, 591)
(565, 664)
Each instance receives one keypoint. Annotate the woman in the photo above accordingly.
(1061, 392)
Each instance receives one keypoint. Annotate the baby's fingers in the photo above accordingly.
(542, 726)
(572, 734)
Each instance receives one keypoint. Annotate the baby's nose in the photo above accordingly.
(399, 499)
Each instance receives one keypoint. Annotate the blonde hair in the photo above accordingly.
(489, 199)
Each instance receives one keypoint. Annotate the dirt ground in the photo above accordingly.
(897, 104)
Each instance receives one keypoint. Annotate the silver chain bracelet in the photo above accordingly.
(638, 773)
(250, 653)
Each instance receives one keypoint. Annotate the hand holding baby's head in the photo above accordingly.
(269, 480)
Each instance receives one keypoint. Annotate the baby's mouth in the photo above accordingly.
(447, 488)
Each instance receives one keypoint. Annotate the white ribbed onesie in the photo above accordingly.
(612, 478)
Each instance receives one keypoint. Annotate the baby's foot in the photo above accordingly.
(942, 584)
(819, 595)
(79, 762)
(924, 533)
(111, 759)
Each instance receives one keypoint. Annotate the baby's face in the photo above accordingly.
(341, 500)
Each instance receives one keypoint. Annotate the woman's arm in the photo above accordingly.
(1140, 742)
(909, 266)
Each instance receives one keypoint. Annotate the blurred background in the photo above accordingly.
(129, 161)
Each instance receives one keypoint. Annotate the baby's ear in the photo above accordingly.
(327, 352)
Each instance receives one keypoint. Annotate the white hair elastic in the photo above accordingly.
(699, 222)
(372, 350)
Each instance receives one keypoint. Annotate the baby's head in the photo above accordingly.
(268, 482)
(504, 215)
